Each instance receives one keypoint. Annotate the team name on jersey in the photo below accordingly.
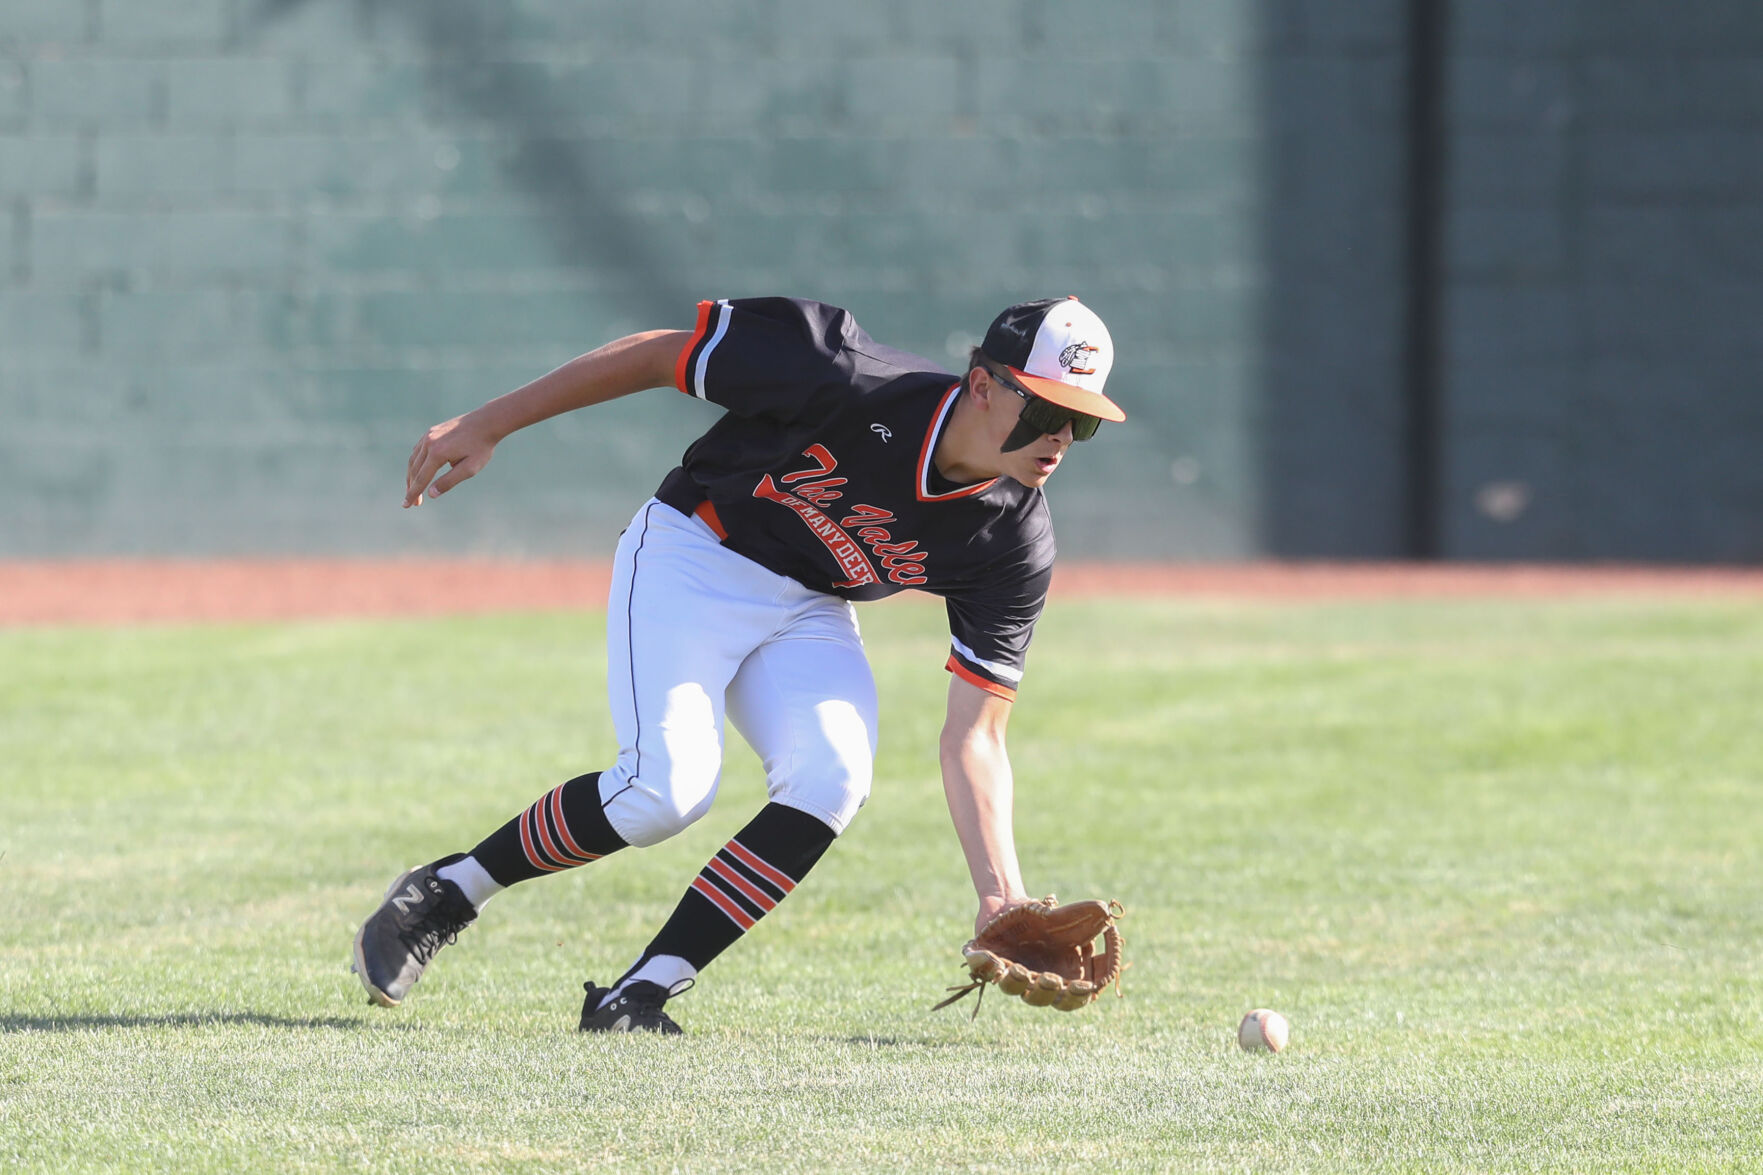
(811, 489)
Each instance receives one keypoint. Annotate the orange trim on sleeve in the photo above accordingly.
(698, 332)
(991, 687)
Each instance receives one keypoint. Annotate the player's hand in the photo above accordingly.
(463, 445)
(991, 905)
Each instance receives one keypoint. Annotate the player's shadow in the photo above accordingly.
(85, 1023)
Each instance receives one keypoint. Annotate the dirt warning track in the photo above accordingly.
(148, 591)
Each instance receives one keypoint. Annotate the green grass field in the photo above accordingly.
(1498, 862)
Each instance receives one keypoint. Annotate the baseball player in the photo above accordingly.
(840, 470)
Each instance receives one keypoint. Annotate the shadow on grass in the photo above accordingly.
(54, 1023)
(895, 1042)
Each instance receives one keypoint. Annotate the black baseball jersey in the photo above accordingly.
(821, 470)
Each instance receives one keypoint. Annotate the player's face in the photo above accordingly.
(1042, 457)
(1032, 463)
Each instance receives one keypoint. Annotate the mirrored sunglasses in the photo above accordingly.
(1046, 417)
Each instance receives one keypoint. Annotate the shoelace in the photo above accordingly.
(645, 998)
(438, 928)
(648, 1002)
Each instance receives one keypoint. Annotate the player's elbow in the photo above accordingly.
(962, 745)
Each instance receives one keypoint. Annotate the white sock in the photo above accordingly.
(476, 882)
(668, 971)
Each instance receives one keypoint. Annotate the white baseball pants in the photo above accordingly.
(694, 630)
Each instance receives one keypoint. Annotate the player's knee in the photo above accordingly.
(645, 816)
(660, 799)
(832, 784)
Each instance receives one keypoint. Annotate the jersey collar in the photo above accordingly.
(939, 421)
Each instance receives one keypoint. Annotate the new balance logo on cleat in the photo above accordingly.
(421, 914)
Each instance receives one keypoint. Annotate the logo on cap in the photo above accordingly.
(1076, 358)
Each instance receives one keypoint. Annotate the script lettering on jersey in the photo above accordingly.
(904, 561)
(824, 491)
(813, 488)
(844, 549)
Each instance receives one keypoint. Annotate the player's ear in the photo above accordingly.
(979, 380)
(979, 384)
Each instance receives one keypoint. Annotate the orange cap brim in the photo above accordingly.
(1070, 396)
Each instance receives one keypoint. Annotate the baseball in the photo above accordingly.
(1263, 1031)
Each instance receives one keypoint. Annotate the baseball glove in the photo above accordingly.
(1045, 953)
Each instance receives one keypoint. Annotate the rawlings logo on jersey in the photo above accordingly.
(1077, 359)
(811, 489)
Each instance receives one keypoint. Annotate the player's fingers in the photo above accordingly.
(419, 481)
(424, 464)
(454, 475)
(417, 453)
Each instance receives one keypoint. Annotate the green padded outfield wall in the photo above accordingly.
(1597, 273)
(1603, 281)
(250, 248)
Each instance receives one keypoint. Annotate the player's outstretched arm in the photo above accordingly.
(464, 444)
(980, 789)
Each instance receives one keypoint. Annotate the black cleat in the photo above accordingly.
(421, 914)
(635, 1009)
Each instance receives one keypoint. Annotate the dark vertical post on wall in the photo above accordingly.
(1428, 22)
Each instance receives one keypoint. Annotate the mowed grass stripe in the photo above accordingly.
(1494, 860)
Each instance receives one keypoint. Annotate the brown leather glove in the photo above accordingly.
(1045, 953)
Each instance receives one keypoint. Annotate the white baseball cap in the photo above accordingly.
(1059, 350)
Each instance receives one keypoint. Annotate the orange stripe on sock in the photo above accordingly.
(550, 846)
(722, 902)
(759, 897)
(544, 835)
(563, 828)
(770, 874)
(526, 846)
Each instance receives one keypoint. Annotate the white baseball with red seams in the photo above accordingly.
(1263, 1031)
